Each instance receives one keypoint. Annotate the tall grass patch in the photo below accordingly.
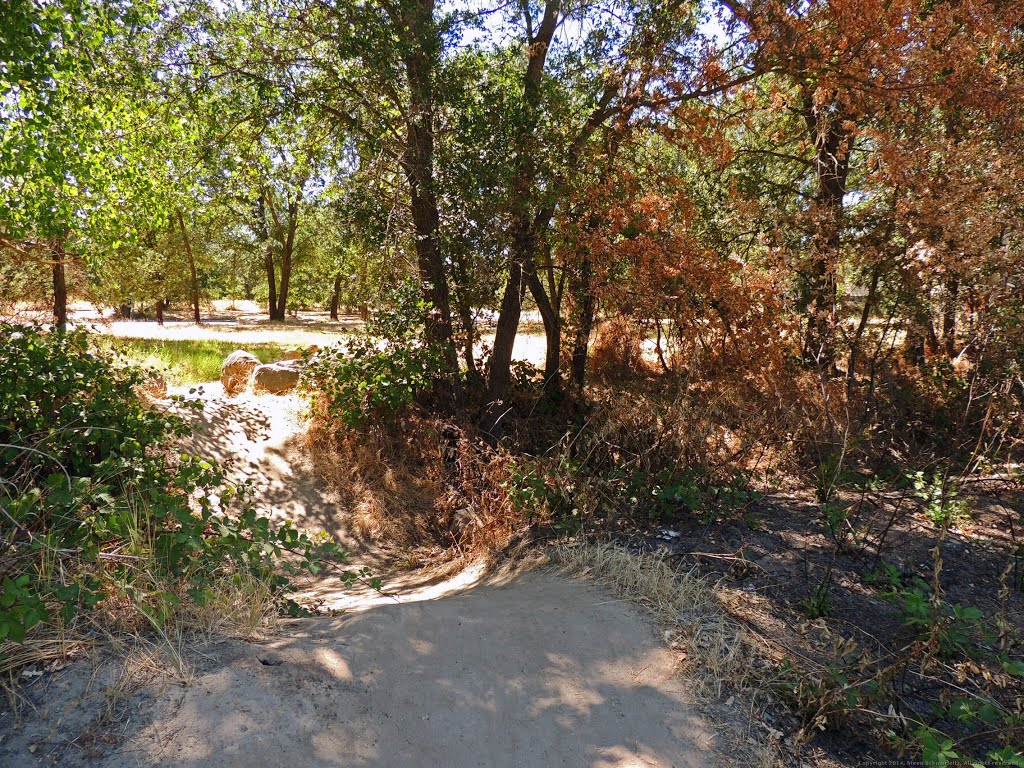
(188, 361)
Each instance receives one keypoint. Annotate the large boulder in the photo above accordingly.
(277, 378)
(236, 370)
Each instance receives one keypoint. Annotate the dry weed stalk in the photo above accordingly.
(426, 483)
(684, 601)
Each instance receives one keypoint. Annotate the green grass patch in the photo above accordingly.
(188, 361)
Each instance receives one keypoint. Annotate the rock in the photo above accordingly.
(300, 354)
(236, 370)
(153, 388)
(276, 377)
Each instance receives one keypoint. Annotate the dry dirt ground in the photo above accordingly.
(770, 558)
(245, 322)
(532, 669)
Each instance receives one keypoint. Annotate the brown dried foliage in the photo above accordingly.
(420, 483)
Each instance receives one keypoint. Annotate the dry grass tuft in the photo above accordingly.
(685, 601)
(136, 660)
(144, 659)
(648, 581)
(240, 605)
(46, 651)
(720, 652)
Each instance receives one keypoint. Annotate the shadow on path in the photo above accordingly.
(538, 672)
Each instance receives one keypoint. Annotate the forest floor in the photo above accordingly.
(527, 668)
(244, 324)
(530, 668)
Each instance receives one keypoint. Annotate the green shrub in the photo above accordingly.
(378, 373)
(940, 498)
(540, 490)
(93, 503)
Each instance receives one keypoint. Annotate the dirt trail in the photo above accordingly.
(533, 670)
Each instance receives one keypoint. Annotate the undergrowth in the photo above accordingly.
(103, 524)
(701, 449)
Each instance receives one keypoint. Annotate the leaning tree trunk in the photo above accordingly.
(500, 381)
(473, 375)
(583, 286)
(416, 22)
(525, 229)
(858, 335)
(552, 336)
(464, 311)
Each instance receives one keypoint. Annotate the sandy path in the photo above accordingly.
(530, 671)
(259, 441)
(534, 673)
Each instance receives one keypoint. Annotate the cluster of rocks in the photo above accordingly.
(242, 371)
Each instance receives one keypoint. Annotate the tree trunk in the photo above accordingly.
(465, 313)
(60, 286)
(263, 233)
(583, 288)
(931, 339)
(336, 296)
(526, 228)
(248, 289)
(160, 311)
(500, 380)
(552, 335)
(416, 25)
(832, 163)
(949, 308)
(584, 327)
(193, 279)
(268, 265)
(865, 316)
(282, 291)
(287, 249)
